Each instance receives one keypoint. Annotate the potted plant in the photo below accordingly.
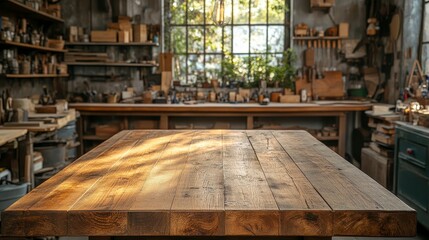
(284, 73)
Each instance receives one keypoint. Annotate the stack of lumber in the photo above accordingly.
(86, 57)
(377, 158)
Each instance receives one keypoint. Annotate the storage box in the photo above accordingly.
(322, 3)
(290, 99)
(344, 30)
(124, 36)
(103, 36)
(140, 33)
(73, 34)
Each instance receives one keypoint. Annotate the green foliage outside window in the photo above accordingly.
(248, 48)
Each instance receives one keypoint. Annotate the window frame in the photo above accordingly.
(206, 24)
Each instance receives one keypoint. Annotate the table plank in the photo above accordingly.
(302, 209)
(154, 200)
(198, 205)
(360, 205)
(249, 203)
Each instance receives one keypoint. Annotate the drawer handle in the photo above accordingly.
(410, 151)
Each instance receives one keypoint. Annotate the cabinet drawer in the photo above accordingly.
(412, 185)
(415, 153)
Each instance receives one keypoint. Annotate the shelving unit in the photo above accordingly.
(24, 10)
(107, 64)
(31, 47)
(111, 44)
(15, 10)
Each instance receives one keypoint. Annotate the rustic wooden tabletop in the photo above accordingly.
(210, 183)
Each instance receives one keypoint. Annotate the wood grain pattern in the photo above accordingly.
(346, 189)
(210, 183)
(291, 189)
(200, 189)
(246, 190)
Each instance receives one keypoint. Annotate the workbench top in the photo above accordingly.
(320, 106)
(210, 183)
(7, 135)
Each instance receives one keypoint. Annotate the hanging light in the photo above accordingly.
(218, 16)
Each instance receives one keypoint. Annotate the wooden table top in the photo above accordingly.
(10, 135)
(216, 182)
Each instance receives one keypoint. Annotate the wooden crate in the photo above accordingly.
(124, 36)
(377, 167)
(140, 33)
(104, 36)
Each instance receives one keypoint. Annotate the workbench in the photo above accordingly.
(15, 139)
(248, 114)
(36, 134)
(218, 183)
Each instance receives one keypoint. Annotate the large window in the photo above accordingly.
(255, 34)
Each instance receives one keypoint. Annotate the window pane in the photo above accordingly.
(214, 39)
(209, 11)
(195, 67)
(241, 11)
(426, 24)
(196, 12)
(276, 11)
(213, 66)
(195, 39)
(241, 39)
(178, 10)
(180, 68)
(227, 39)
(242, 64)
(259, 11)
(178, 38)
(276, 39)
(258, 39)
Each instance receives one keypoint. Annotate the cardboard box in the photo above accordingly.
(344, 30)
(123, 36)
(103, 36)
(290, 99)
(140, 33)
(73, 34)
(322, 3)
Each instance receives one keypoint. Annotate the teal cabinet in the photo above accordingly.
(411, 181)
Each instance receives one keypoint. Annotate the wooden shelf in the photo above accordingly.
(318, 38)
(103, 64)
(94, 138)
(28, 12)
(34, 47)
(36, 75)
(111, 44)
